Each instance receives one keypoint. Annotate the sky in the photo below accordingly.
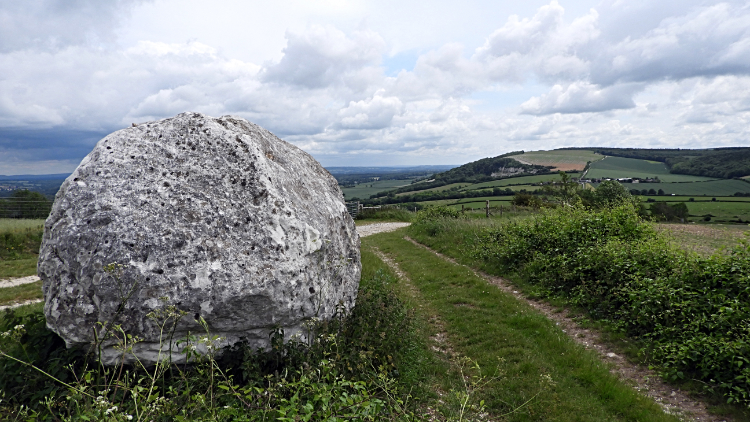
(376, 83)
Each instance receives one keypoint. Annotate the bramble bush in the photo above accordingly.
(691, 314)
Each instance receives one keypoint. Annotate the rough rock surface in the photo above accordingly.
(216, 216)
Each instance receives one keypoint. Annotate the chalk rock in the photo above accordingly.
(216, 217)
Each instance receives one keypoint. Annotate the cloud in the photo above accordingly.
(581, 97)
(55, 24)
(323, 56)
(708, 41)
(676, 73)
(374, 113)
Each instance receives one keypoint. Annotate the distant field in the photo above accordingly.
(472, 202)
(686, 198)
(721, 210)
(513, 181)
(14, 224)
(364, 190)
(705, 239)
(564, 160)
(437, 189)
(724, 187)
(618, 167)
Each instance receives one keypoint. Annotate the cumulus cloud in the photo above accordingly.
(582, 97)
(681, 72)
(323, 56)
(708, 41)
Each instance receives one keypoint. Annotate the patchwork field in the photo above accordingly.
(437, 189)
(513, 181)
(564, 160)
(711, 188)
(721, 211)
(617, 167)
(364, 190)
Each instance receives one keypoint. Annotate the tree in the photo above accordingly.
(565, 191)
(25, 204)
(611, 193)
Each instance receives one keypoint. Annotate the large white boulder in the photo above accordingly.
(215, 216)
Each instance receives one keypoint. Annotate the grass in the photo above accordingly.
(19, 246)
(364, 190)
(20, 224)
(721, 211)
(696, 198)
(10, 295)
(564, 160)
(489, 326)
(704, 239)
(437, 189)
(523, 180)
(711, 188)
(21, 267)
(618, 167)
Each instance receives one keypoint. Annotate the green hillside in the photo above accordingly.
(717, 163)
(618, 167)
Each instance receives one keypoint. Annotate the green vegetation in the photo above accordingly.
(560, 159)
(366, 189)
(704, 239)
(721, 212)
(618, 167)
(19, 246)
(543, 374)
(474, 172)
(683, 310)
(24, 292)
(512, 181)
(718, 163)
(707, 188)
(25, 204)
(385, 214)
(366, 365)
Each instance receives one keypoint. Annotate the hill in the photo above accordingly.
(725, 163)
(479, 171)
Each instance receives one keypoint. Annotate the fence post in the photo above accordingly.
(487, 208)
(501, 210)
(462, 208)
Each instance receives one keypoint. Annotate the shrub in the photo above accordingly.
(436, 213)
(392, 214)
(689, 312)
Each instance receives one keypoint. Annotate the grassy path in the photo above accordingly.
(545, 374)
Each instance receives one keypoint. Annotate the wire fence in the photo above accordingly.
(24, 208)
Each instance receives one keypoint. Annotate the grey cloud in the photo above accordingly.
(55, 24)
(708, 41)
(582, 97)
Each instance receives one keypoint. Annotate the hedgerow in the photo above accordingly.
(690, 313)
